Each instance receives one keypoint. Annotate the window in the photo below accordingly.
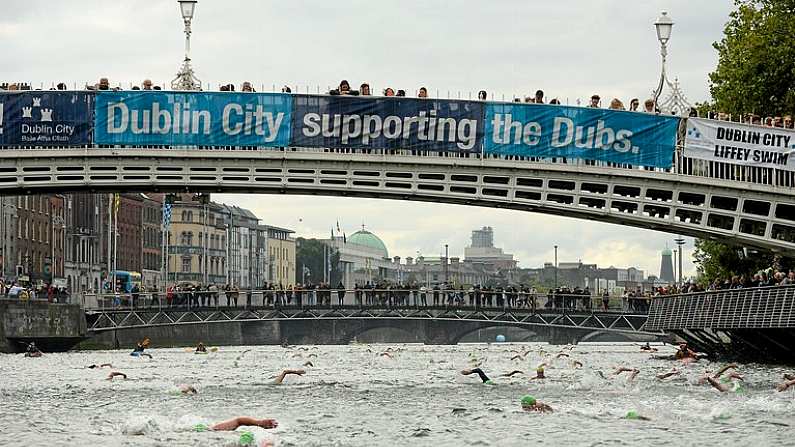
(186, 264)
(201, 239)
(184, 216)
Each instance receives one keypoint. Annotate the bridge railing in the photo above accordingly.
(362, 298)
(748, 308)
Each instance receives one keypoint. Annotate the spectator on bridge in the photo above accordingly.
(364, 89)
(104, 84)
(400, 93)
(135, 88)
(482, 95)
(286, 89)
(61, 86)
(648, 106)
(555, 102)
(246, 87)
(539, 99)
(389, 92)
(616, 104)
(343, 90)
(633, 104)
(146, 85)
(157, 87)
(423, 93)
(594, 101)
(787, 121)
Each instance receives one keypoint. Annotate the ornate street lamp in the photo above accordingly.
(186, 80)
(675, 102)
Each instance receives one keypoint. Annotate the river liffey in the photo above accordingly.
(355, 396)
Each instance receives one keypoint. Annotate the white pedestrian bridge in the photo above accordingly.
(752, 207)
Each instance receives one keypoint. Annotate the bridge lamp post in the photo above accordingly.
(186, 80)
(556, 266)
(675, 102)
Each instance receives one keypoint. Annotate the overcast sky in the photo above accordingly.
(570, 49)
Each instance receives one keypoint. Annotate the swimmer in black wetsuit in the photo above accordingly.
(480, 373)
(201, 347)
(116, 374)
(100, 366)
(139, 350)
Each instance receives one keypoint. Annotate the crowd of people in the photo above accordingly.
(43, 291)
(345, 89)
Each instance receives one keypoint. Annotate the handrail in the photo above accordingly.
(362, 297)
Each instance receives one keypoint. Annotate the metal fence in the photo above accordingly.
(751, 308)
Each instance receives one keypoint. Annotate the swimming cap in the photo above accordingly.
(489, 382)
(201, 427)
(528, 401)
(246, 438)
(632, 414)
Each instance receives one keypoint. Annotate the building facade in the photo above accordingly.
(84, 264)
(129, 233)
(197, 247)
(39, 243)
(8, 232)
(152, 240)
(483, 251)
(280, 255)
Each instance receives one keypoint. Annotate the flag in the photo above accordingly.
(344, 239)
(338, 226)
(166, 215)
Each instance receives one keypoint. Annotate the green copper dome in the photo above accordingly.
(364, 237)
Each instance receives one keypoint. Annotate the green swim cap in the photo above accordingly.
(489, 382)
(528, 401)
(246, 438)
(632, 414)
(201, 427)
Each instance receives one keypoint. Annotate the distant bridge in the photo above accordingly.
(742, 210)
(341, 325)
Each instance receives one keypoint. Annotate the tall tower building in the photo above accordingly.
(667, 267)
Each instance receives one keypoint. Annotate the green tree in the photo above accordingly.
(756, 60)
(716, 260)
(309, 254)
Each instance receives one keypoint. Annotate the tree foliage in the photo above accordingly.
(309, 254)
(718, 260)
(756, 60)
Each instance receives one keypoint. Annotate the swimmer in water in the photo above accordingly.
(280, 378)
(789, 376)
(386, 354)
(139, 349)
(647, 348)
(513, 373)
(100, 366)
(529, 403)
(561, 354)
(673, 372)
(234, 423)
(785, 386)
(685, 352)
(480, 373)
(309, 364)
(116, 374)
(540, 372)
(633, 372)
(187, 389)
(576, 364)
(201, 347)
(634, 416)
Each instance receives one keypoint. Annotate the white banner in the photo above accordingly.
(741, 144)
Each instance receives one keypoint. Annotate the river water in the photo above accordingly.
(355, 397)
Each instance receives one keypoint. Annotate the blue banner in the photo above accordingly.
(192, 118)
(387, 123)
(45, 118)
(536, 130)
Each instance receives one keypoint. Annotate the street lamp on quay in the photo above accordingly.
(675, 103)
(186, 80)
(680, 241)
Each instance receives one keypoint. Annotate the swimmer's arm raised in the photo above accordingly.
(280, 378)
